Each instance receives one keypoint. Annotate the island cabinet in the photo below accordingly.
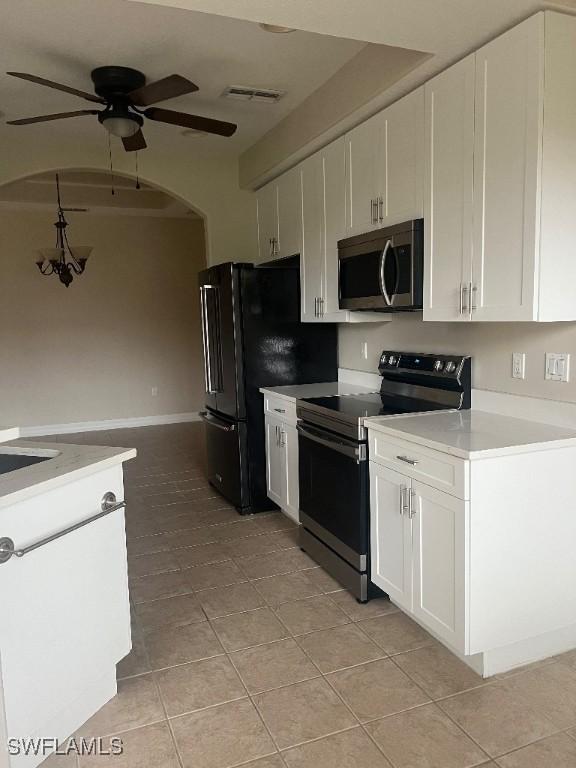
(468, 548)
(500, 179)
(281, 454)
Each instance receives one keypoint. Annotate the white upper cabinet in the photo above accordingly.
(449, 173)
(402, 188)
(312, 256)
(267, 202)
(384, 167)
(507, 158)
(334, 229)
(363, 160)
(500, 191)
(289, 214)
(280, 217)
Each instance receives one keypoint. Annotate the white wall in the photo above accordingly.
(93, 351)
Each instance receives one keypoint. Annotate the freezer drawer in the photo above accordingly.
(226, 458)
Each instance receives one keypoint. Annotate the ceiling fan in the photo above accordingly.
(127, 98)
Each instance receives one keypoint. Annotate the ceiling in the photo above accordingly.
(63, 40)
(92, 190)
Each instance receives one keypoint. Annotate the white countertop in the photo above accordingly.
(474, 434)
(69, 463)
(9, 433)
(323, 389)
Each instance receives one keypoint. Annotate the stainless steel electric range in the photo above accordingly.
(333, 456)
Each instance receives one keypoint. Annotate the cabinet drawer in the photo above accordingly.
(282, 409)
(437, 469)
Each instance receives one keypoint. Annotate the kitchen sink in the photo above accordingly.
(9, 462)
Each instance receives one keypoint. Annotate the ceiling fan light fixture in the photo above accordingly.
(121, 125)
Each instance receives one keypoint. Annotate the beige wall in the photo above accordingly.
(491, 345)
(94, 351)
(206, 180)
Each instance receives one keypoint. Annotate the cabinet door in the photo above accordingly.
(363, 158)
(439, 562)
(267, 202)
(290, 445)
(391, 534)
(289, 213)
(311, 258)
(509, 82)
(334, 192)
(402, 140)
(449, 168)
(275, 464)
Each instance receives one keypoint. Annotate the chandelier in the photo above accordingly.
(64, 260)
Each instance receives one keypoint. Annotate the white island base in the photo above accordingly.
(65, 613)
(473, 525)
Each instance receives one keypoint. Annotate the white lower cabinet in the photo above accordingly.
(282, 464)
(417, 550)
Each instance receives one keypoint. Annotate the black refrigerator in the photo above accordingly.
(253, 338)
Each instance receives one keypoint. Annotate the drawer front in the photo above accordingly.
(437, 469)
(282, 409)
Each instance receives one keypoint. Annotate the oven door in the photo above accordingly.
(334, 505)
(380, 274)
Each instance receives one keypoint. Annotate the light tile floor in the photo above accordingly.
(246, 653)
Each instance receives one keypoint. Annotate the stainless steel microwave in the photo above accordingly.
(382, 270)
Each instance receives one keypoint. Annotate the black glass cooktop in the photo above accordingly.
(371, 404)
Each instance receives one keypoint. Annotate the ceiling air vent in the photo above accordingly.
(246, 93)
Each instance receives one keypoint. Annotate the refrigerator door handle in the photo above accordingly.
(207, 383)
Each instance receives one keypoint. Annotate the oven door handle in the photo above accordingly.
(383, 258)
(352, 450)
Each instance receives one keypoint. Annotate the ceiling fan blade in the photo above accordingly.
(135, 142)
(167, 88)
(195, 122)
(56, 116)
(57, 86)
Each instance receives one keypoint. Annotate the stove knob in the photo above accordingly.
(392, 360)
(383, 360)
(450, 367)
(438, 365)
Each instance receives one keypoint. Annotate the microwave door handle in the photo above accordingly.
(383, 258)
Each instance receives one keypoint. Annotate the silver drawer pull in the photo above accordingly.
(7, 548)
(407, 460)
(280, 410)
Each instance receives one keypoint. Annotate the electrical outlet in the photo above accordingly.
(557, 366)
(154, 391)
(365, 350)
(518, 365)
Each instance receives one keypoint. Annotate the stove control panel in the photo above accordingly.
(445, 366)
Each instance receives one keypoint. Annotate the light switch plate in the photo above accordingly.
(557, 366)
(518, 365)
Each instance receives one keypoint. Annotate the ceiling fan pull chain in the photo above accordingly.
(137, 174)
(111, 168)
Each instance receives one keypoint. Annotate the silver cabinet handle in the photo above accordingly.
(412, 503)
(282, 438)
(408, 460)
(316, 306)
(473, 293)
(461, 304)
(321, 300)
(403, 497)
(107, 505)
(465, 300)
(381, 209)
(374, 211)
(280, 410)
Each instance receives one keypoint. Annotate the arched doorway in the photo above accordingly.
(122, 344)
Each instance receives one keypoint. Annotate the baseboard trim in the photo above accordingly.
(98, 426)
